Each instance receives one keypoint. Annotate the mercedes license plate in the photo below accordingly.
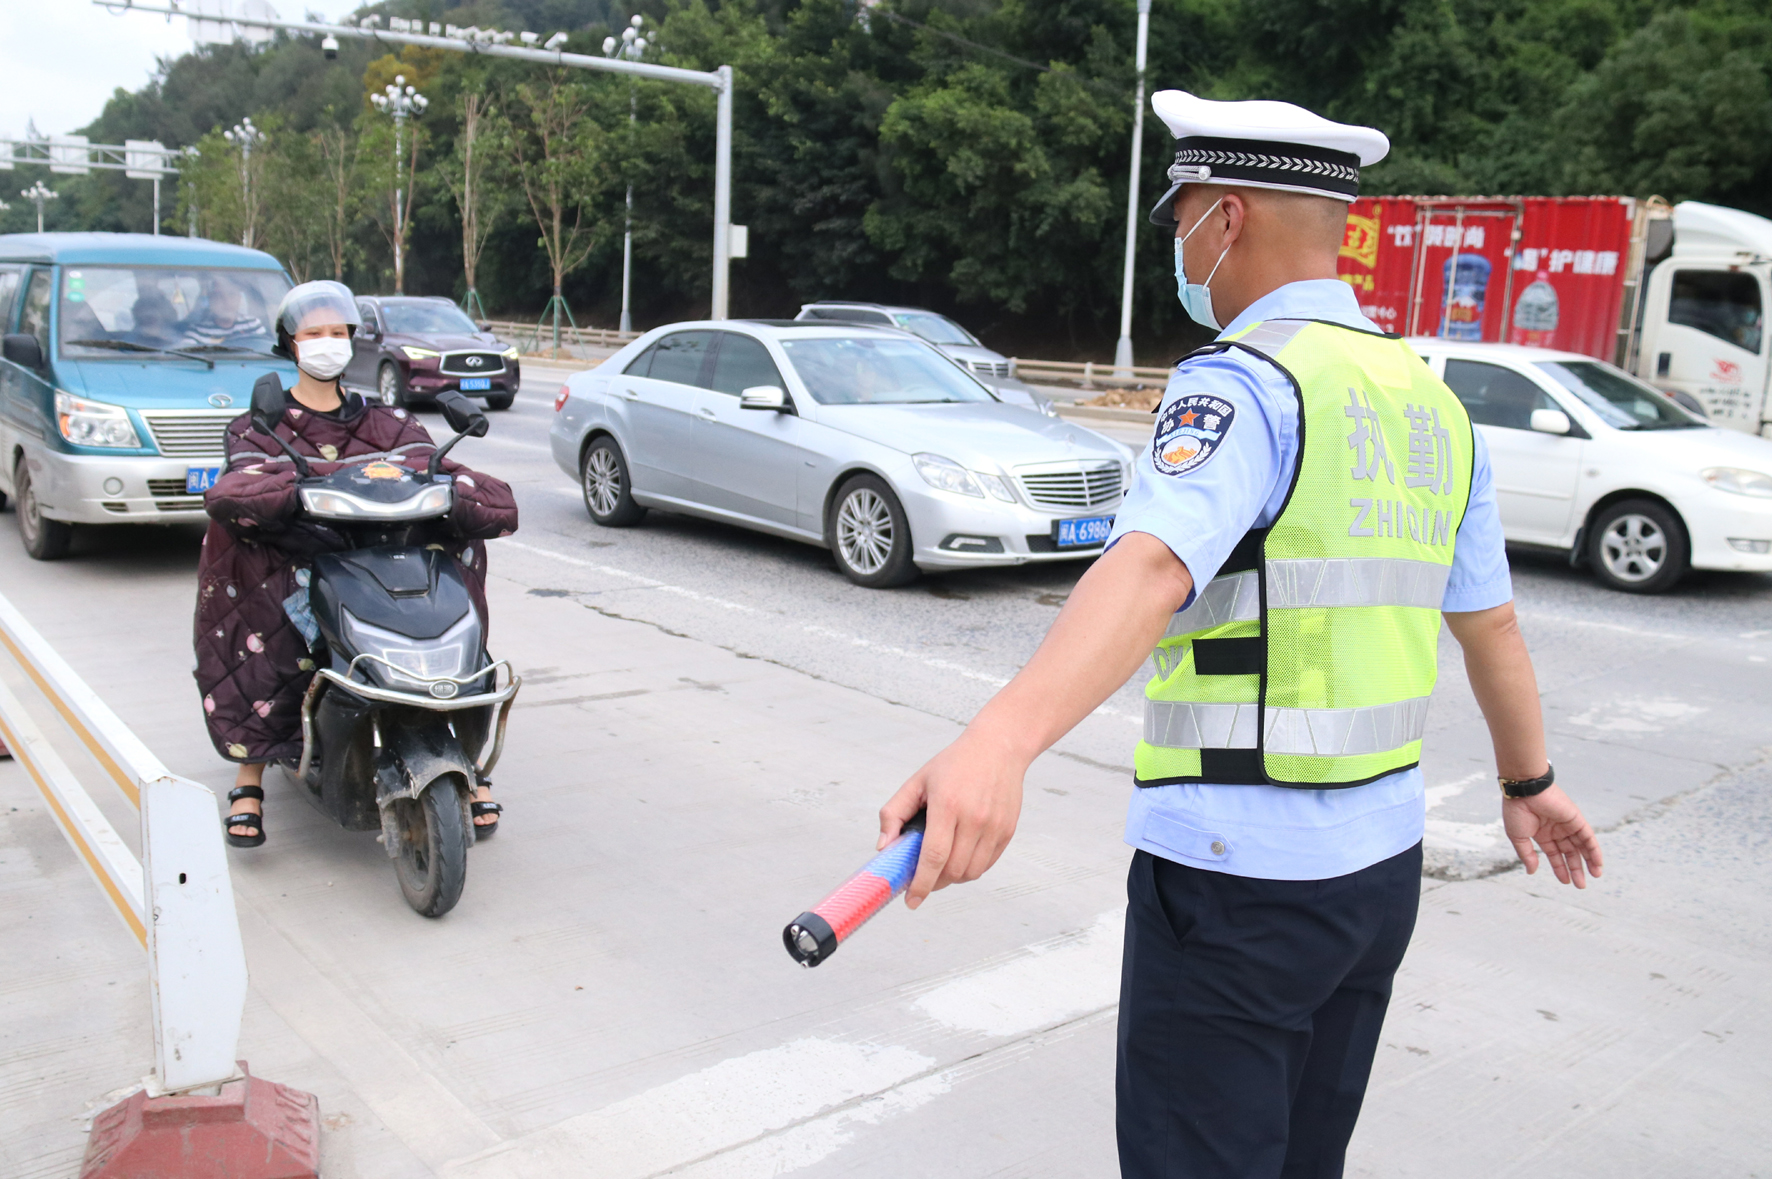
(468, 383)
(200, 479)
(1087, 531)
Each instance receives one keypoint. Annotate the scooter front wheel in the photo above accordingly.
(433, 855)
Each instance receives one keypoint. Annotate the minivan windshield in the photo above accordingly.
(423, 317)
(151, 311)
(937, 329)
(1620, 399)
(867, 370)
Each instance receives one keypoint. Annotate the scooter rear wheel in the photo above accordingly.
(433, 856)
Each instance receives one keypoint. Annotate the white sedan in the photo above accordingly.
(1589, 459)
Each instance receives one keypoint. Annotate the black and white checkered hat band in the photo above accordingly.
(1274, 167)
(1296, 166)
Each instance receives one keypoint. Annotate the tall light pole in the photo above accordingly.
(631, 47)
(42, 196)
(245, 136)
(402, 102)
(1123, 349)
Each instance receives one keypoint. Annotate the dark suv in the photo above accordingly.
(410, 348)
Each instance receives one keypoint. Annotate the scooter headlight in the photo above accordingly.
(401, 661)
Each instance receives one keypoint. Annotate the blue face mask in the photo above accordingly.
(1196, 297)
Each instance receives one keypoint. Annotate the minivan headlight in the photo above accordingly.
(93, 423)
(1737, 481)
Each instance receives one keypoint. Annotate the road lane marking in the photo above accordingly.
(1437, 795)
(724, 1106)
(1534, 616)
(1046, 984)
(823, 632)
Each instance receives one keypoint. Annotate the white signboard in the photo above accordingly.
(68, 155)
(145, 159)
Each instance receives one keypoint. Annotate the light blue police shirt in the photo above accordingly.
(1269, 831)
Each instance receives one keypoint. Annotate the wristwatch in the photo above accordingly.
(1527, 787)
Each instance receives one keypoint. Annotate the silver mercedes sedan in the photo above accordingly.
(867, 442)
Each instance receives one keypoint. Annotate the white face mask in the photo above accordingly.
(323, 357)
(1196, 297)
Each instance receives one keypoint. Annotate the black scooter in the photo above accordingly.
(405, 697)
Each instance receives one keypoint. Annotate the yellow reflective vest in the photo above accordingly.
(1309, 659)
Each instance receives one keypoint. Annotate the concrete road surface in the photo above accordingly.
(710, 720)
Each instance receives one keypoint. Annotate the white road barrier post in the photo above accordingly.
(200, 1114)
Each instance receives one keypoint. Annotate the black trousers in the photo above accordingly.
(1249, 1015)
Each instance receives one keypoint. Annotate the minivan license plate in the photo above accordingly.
(1089, 530)
(200, 479)
(476, 383)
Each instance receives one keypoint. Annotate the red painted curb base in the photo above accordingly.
(256, 1129)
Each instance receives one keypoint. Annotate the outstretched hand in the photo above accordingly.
(1552, 821)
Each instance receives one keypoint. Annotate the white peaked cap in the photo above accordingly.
(1262, 144)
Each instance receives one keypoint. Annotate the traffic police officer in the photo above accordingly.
(1312, 504)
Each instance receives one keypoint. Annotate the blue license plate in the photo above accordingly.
(200, 479)
(468, 383)
(1087, 531)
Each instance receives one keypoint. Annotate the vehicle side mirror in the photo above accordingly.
(484, 325)
(268, 403)
(23, 350)
(1550, 421)
(772, 397)
(463, 416)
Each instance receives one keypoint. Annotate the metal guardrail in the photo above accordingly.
(537, 339)
(178, 901)
(1088, 373)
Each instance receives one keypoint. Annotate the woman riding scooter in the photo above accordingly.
(253, 661)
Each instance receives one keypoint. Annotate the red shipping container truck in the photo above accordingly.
(1547, 271)
(1676, 296)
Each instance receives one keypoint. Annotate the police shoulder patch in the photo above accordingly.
(1189, 432)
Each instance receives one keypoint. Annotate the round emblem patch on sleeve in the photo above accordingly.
(1189, 432)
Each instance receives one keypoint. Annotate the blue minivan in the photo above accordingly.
(126, 356)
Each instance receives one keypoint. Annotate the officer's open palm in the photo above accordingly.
(1553, 821)
(972, 790)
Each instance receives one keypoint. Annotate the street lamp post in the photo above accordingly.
(245, 136)
(631, 47)
(402, 102)
(1123, 349)
(41, 195)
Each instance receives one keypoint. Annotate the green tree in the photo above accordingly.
(558, 154)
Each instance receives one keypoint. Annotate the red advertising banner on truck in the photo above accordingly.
(1547, 271)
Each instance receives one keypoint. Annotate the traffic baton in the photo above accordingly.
(814, 936)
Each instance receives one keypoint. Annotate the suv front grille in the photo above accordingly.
(472, 364)
(1081, 486)
(190, 434)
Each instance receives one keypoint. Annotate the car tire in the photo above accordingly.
(869, 534)
(390, 385)
(1638, 546)
(502, 402)
(44, 539)
(608, 492)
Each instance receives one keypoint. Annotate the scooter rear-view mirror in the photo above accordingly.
(268, 404)
(463, 416)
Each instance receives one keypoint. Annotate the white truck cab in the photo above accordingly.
(1703, 324)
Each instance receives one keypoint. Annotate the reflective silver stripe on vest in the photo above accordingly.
(1233, 598)
(1176, 725)
(1271, 335)
(1356, 581)
(1321, 732)
(1342, 732)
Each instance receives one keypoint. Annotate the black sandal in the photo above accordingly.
(246, 818)
(476, 809)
